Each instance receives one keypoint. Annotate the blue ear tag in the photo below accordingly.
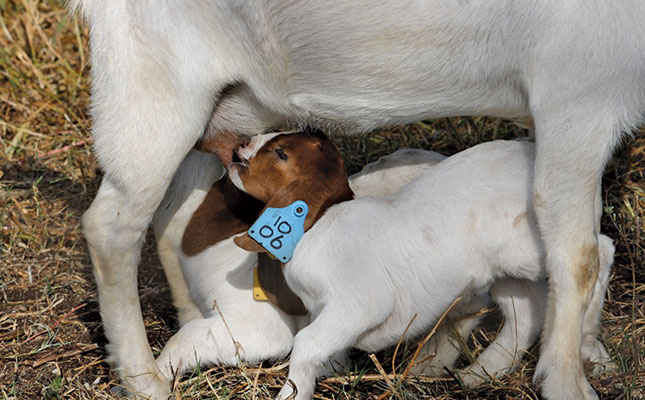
(279, 230)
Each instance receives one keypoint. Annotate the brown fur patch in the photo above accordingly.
(271, 278)
(587, 268)
(226, 211)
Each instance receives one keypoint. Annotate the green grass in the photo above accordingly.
(48, 177)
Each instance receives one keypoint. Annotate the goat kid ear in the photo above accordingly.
(317, 195)
(247, 243)
(284, 197)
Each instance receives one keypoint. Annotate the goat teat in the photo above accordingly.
(224, 145)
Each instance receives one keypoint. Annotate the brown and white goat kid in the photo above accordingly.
(203, 265)
(365, 267)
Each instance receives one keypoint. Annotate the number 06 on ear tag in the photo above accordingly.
(279, 230)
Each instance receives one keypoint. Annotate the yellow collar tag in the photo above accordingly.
(258, 292)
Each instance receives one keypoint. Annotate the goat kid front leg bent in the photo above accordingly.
(208, 341)
(570, 159)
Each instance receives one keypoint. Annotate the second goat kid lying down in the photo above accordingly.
(365, 267)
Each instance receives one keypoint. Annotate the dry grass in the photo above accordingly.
(50, 332)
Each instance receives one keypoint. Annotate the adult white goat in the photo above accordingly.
(162, 69)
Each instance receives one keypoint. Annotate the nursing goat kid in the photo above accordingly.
(212, 268)
(365, 267)
(161, 70)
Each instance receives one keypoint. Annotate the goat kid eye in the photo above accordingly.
(281, 154)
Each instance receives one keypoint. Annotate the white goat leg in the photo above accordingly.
(318, 343)
(207, 341)
(146, 119)
(565, 206)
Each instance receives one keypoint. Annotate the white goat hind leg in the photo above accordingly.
(522, 304)
(191, 183)
(444, 348)
(146, 119)
(114, 227)
(593, 350)
(572, 153)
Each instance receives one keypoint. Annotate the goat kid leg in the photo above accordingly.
(522, 304)
(207, 341)
(444, 348)
(167, 249)
(314, 346)
(593, 351)
(572, 153)
(191, 183)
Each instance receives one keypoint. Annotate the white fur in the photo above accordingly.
(466, 225)
(159, 70)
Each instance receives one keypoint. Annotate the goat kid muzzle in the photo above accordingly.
(238, 158)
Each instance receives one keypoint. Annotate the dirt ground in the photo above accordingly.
(51, 341)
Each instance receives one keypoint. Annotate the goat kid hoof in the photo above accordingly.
(600, 367)
(148, 389)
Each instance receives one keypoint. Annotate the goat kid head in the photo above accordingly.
(279, 169)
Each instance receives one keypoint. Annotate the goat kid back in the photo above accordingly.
(367, 266)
